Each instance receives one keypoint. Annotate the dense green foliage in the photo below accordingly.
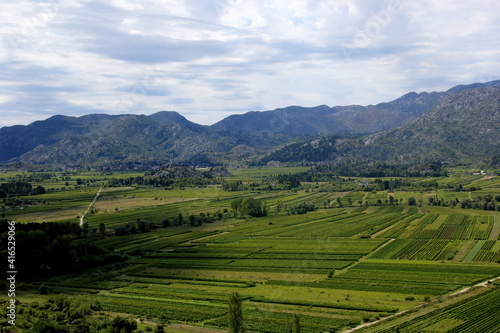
(50, 249)
(62, 314)
(19, 188)
(173, 176)
(235, 314)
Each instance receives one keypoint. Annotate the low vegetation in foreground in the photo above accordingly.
(264, 249)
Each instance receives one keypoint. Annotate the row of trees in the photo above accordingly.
(48, 249)
(142, 226)
(63, 314)
(486, 202)
(19, 189)
(173, 176)
(249, 206)
(367, 168)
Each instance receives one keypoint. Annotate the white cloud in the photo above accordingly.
(210, 58)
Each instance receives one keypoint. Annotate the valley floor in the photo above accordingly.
(356, 259)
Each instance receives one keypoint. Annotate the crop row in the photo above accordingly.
(297, 222)
(433, 278)
(408, 266)
(418, 225)
(153, 241)
(487, 252)
(484, 225)
(456, 226)
(151, 307)
(174, 291)
(415, 249)
(436, 278)
(390, 209)
(256, 320)
(347, 227)
(366, 285)
(259, 265)
(331, 305)
(399, 227)
(475, 314)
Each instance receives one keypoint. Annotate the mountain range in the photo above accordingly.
(463, 128)
(459, 125)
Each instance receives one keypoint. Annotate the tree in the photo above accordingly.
(279, 205)
(44, 326)
(39, 190)
(236, 205)
(159, 329)
(121, 324)
(251, 206)
(42, 289)
(102, 229)
(297, 323)
(235, 315)
(412, 201)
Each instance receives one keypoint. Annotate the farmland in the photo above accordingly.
(357, 257)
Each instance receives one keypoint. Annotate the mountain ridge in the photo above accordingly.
(285, 124)
(168, 137)
(464, 127)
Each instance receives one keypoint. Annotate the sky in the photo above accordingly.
(208, 59)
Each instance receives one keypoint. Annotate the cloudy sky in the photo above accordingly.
(208, 59)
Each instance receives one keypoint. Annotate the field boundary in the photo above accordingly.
(357, 262)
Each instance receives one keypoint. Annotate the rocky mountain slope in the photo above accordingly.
(282, 125)
(463, 128)
(103, 139)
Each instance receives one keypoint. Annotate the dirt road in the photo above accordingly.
(90, 206)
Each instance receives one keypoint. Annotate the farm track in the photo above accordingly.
(90, 206)
(495, 231)
(483, 284)
(357, 262)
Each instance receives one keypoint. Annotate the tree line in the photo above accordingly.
(19, 189)
(45, 250)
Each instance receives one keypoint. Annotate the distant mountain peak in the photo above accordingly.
(168, 117)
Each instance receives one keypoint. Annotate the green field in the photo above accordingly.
(337, 267)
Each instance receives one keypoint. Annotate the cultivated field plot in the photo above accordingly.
(319, 265)
(341, 265)
(476, 314)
